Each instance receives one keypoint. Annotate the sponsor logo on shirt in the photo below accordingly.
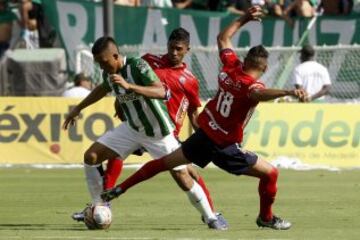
(128, 97)
(180, 115)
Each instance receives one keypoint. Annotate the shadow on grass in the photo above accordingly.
(37, 227)
(114, 227)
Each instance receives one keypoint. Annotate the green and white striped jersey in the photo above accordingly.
(145, 115)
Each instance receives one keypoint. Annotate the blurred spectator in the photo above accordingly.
(213, 5)
(336, 7)
(82, 87)
(235, 6)
(276, 7)
(36, 29)
(311, 76)
(301, 8)
(193, 4)
(29, 25)
(133, 3)
(6, 22)
(356, 6)
(157, 3)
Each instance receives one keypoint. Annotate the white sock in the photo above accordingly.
(199, 201)
(94, 182)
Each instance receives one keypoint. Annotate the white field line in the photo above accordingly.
(127, 238)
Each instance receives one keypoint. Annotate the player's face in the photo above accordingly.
(177, 51)
(108, 60)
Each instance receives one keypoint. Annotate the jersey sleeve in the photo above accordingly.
(148, 57)
(105, 83)
(255, 86)
(192, 93)
(142, 72)
(229, 58)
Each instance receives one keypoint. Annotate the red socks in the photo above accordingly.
(147, 171)
(112, 173)
(267, 191)
(201, 182)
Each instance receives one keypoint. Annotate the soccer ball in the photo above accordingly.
(97, 217)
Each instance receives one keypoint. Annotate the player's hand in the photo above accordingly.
(110, 194)
(301, 94)
(71, 118)
(255, 13)
(119, 80)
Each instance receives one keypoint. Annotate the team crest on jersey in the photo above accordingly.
(182, 79)
(222, 76)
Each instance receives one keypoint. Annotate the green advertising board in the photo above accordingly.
(81, 22)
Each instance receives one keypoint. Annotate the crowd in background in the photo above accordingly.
(285, 9)
(26, 20)
(305, 8)
(36, 32)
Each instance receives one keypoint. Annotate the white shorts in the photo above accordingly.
(124, 141)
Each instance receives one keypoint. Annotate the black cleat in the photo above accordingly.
(110, 194)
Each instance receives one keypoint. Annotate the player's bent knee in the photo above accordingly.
(273, 174)
(90, 158)
(183, 179)
(193, 173)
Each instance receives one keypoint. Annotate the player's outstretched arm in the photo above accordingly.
(95, 95)
(261, 95)
(224, 37)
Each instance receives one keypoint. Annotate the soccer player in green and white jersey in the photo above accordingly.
(148, 124)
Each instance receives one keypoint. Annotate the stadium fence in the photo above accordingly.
(342, 61)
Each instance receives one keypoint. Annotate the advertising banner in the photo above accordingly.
(327, 134)
(81, 22)
(31, 129)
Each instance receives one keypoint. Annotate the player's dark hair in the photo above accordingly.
(256, 56)
(180, 35)
(101, 44)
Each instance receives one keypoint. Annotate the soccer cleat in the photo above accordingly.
(220, 217)
(222, 220)
(216, 225)
(80, 216)
(110, 194)
(275, 223)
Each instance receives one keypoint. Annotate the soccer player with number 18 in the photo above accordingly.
(221, 126)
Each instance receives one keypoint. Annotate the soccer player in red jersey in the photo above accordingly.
(221, 126)
(183, 98)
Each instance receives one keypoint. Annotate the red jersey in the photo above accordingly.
(226, 115)
(183, 86)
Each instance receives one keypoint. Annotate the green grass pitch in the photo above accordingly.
(37, 204)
